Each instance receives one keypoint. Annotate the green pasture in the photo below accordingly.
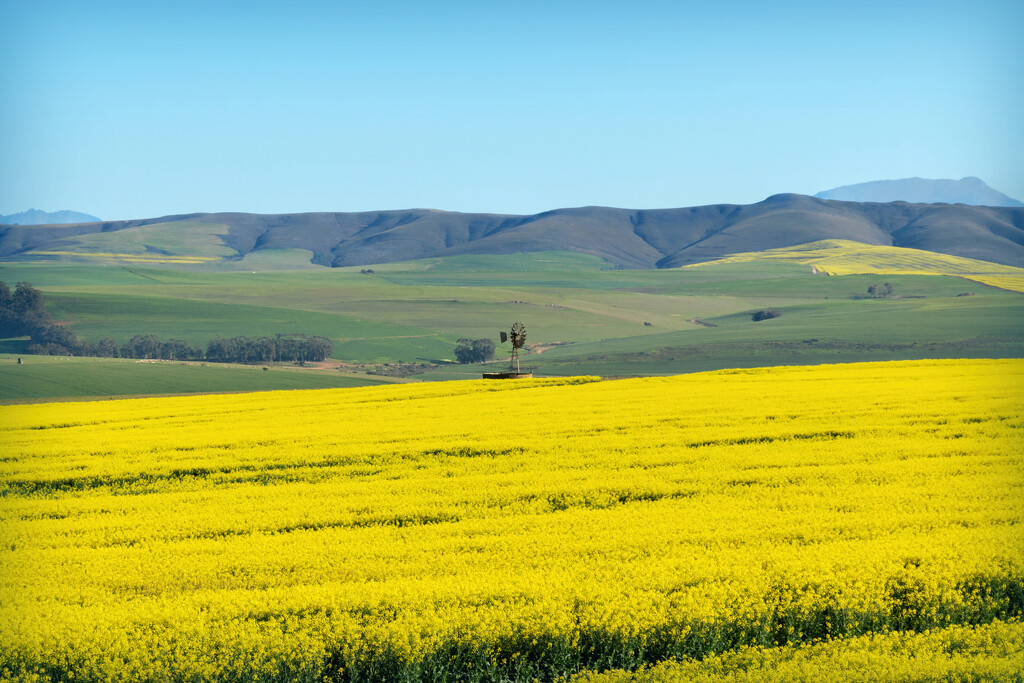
(119, 316)
(878, 321)
(42, 377)
(271, 259)
(533, 262)
(804, 284)
(990, 324)
(53, 275)
(582, 318)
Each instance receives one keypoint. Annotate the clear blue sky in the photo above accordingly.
(140, 109)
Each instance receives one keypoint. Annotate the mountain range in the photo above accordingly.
(37, 217)
(969, 190)
(625, 238)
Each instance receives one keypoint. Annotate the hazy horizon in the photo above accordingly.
(124, 111)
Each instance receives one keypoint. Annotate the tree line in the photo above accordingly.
(23, 313)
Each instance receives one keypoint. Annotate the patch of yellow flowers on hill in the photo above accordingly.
(845, 257)
(512, 530)
(128, 258)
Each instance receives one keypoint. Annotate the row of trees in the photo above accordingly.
(145, 346)
(22, 313)
(281, 347)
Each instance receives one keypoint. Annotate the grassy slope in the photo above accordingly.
(174, 242)
(415, 311)
(119, 316)
(44, 377)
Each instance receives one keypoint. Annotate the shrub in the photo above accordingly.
(765, 314)
(884, 291)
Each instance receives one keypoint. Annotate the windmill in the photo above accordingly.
(517, 335)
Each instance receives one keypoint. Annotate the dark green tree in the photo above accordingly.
(474, 350)
(883, 291)
(766, 314)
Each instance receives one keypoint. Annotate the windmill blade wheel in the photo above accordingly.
(518, 335)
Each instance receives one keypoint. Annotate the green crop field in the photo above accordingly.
(119, 316)
(581, 318)
(48, 377)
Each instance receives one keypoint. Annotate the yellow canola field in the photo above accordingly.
(846, 257)
(508, 530)
(128, 258)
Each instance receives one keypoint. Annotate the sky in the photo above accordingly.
(142, 109)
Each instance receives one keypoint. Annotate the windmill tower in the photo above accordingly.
(517, 335)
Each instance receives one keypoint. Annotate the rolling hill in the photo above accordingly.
(624, 238)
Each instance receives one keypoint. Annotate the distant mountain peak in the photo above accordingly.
(967, 190)
(37, 217)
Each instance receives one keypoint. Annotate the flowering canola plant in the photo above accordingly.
(515, 530)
